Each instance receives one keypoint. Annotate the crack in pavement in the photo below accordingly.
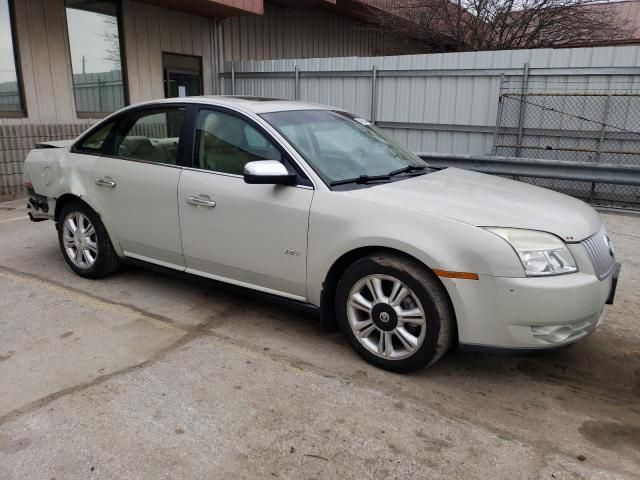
(44, 401)
(88, 298)
(102, 304)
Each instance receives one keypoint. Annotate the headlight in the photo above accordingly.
(541, 253)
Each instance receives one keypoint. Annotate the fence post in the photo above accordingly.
(498, 116)
(4, 177)
(100, 106)
(605, 117)
(374, 93)
(525, 84)
(296, 91)
(233, 78)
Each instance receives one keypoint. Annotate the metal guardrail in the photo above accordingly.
(531, 167)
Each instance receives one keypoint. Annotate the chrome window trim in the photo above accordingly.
(132, 160)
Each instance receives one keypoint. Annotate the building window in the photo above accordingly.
(182, 75)
(96, 55)
(11, 102)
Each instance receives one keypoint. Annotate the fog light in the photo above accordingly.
(552, 334)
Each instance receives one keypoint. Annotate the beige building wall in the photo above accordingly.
(296, 33)
(45, 62)
(148, 31)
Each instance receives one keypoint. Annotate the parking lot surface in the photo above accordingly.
(148, 376)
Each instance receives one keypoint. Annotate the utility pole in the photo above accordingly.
(84, 61)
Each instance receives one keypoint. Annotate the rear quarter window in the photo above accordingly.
(96, 140)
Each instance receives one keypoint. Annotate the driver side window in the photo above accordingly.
(226, 143)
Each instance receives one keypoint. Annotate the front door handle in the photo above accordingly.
(200, 202)
(106, 182)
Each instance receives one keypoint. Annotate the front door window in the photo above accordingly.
(226, 143)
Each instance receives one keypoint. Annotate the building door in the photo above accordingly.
(182, 75)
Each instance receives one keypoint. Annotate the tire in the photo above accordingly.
(412, 345)
(100, 259)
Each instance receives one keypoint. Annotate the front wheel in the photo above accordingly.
(85, 243)
(394, 312)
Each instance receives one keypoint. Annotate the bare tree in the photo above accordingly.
(110, 34)
(458, 25)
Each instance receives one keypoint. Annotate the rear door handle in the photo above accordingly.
(200, 202)
(106, 182)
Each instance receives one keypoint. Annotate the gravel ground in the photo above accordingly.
(148, 376)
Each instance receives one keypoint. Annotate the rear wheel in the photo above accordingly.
(394, 312)
(85, 243)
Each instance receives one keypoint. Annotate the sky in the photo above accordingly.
(7, 66)
(87, 37)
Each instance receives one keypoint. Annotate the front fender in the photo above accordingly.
(340, 223)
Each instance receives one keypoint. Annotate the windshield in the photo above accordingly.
(340, 147)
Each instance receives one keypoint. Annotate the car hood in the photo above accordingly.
(486, 200)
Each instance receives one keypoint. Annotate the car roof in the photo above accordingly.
(254, 104)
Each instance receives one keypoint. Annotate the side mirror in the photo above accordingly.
(268, 172)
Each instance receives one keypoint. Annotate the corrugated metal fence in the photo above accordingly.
(9, 97)
(99, 92)
(527, 103)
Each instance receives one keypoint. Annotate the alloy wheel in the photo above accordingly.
(386, 317)
(80, 240)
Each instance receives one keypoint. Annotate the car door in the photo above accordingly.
(135, 184)
(250, 235)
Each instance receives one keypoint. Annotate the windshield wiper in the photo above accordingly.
(361, 179)
(408, 169)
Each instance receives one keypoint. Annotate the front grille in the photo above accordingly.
(602, 259)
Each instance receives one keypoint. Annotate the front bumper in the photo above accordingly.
(614, 284)
(530, 313)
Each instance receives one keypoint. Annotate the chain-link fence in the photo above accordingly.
(573, 121)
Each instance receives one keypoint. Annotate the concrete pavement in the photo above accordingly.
(146, 376)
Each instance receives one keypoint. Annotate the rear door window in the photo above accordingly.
(152, 136)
